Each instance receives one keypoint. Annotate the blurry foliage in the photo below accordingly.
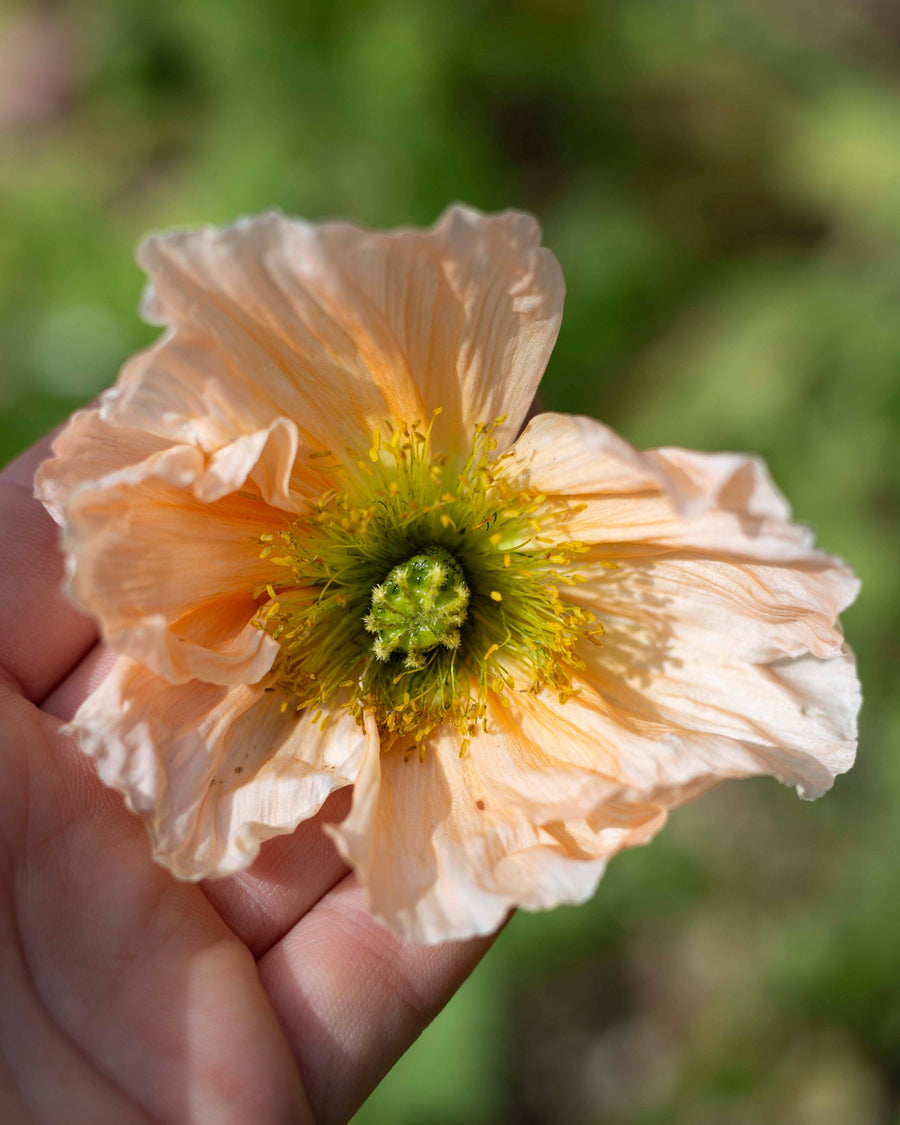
(721, 181)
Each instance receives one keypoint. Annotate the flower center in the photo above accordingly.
(420, 605)
(415, 588)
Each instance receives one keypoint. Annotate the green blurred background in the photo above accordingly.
(721, 182)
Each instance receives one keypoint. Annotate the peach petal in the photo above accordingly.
(264, 458)
(443, 855)
(632, 503)
(475, 305)
(794, 719)
(213, 770)
(529, 817)
(86, 451)
(576, 456)
(187, 390)
(721, 618)
(148, 546)
(752, 611)
(615, 826)
(446, 847)
(281, 328)
(341, 328)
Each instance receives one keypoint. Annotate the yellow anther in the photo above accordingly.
(403, 495)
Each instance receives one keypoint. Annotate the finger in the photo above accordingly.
(135, 969)
(290, 876)
(89, 673)
(22, 469)
(32, 1047)
(43, 634)
(351, 996)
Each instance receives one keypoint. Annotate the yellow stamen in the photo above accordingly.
(400, 500)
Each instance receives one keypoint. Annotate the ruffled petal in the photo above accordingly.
(797, 717)
(287, 326)
(342, 329)
(264, 459)
(628, 503)
(446, 854)
(88, 449)
(213, 770)
(792, 719)
(530, 815)
(721, 617)
(751, 611)
(475, 305)
(166, 555)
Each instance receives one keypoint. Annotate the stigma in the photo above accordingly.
(421, 604)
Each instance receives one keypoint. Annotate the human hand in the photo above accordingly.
(269, 996)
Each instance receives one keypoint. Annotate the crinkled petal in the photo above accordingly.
(721, 617)
(754, 611)
(87, 450)
(475, 305)
(166, 555)
(630, 503)
(342, 329)
(793, 719)
(528, 817)
(213, 770)
(284, 328)
(444, 854)
(264, 459)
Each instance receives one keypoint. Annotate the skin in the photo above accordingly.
(129, 997)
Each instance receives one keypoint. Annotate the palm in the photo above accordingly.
(131, 997)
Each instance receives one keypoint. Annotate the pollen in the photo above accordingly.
(418, 585)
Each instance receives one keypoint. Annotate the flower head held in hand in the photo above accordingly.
(306, 523)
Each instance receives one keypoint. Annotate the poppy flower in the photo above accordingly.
(306, 523)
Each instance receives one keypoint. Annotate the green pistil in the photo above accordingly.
(420, 605)
(416, 588)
